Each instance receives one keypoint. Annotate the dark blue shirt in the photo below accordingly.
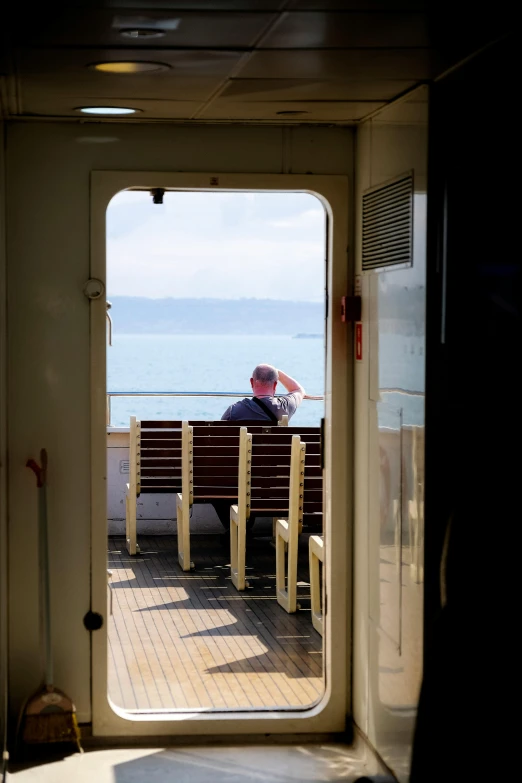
(285, 404)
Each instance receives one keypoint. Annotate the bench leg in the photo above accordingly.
(130, 524)
(316, 556)
(286, 577)
(183, 526)
(237, 548)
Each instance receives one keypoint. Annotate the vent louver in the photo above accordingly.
(387, 235)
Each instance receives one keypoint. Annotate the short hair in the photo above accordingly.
(265, 375)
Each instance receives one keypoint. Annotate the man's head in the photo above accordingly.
(264, 380)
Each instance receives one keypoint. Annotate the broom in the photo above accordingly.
(49, 715)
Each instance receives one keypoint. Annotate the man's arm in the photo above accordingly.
(226, 415)
(292, 386)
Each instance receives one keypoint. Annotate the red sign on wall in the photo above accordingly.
(358, 342)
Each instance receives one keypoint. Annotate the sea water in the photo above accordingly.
(224, 363)
(206, 363)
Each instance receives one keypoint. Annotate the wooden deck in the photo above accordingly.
(190, 641)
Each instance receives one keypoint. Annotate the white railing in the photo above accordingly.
(110, 395)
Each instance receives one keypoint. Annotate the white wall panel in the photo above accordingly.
(388, 535)
(48, 177)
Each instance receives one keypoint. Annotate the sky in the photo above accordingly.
(216, 245)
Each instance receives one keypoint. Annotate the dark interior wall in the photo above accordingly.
(472, 412)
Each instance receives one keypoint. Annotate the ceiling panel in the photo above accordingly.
(58, 106)
(244, 60)
(356, 5)
(324, 30)
(410, 111)
(86, 93)
(312, 90)
(205, 5)
(202, 62)
(101, 27)
(305, 111)
(61, 75)
(407, 64)
(193, 76)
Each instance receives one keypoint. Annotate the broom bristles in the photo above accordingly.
(50, 716)
(51, 727)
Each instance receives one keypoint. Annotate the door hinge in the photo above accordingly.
(351, 308)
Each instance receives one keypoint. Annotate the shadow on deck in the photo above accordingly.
(189, 640)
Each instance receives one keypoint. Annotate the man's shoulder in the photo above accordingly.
(237, 409)
(292, 398)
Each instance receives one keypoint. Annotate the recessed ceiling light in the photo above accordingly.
(128, 66)
(105, 110)
(142, 32)
(292, 113)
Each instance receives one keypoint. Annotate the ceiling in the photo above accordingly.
(259, 61)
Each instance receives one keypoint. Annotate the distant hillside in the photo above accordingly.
(138, 315)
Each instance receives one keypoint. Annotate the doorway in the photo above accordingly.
(108, 715)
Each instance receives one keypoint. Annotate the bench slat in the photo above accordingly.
(275, 448)
(227, 466)
(151, 435)
(221, 423)
(217, 478)
(312, 507)
(172, 445)
(230, 461)
(279, 505)
(212, 492)
(310, 496)
(157, 472)
(159, 482)
(165, 490)
(148, 424)
(160, 452)
(160, 425)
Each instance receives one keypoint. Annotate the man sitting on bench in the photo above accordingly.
(264, 405)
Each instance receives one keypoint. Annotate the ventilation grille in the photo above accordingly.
(388, 224)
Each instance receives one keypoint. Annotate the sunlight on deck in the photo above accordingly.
(189, 640)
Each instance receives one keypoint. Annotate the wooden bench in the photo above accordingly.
(156, 466)
(264, 486)
(209, 472)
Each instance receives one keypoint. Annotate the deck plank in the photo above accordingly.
(189, 640)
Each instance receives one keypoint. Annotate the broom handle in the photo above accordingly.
(43, 557)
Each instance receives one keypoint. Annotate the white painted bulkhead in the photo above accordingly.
(49, 169)
(388, 617)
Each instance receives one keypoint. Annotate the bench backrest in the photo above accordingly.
(273, 472)
(155, 462)
(155, 456)
(271, 462)
(215, 459)
(158, 463)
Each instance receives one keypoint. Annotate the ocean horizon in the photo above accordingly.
(224, 363)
